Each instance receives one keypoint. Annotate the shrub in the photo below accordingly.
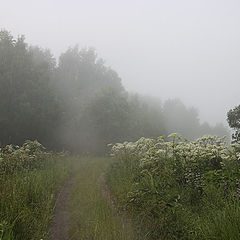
(173, 181)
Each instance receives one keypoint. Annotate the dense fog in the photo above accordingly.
(86, 74)
(80, 104)
(185, 49)
(119, 119)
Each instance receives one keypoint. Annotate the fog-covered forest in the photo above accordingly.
(119, 120)
(78, 103)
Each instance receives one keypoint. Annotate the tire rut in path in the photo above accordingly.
(59, 227)
(106, 191)
(126, 223)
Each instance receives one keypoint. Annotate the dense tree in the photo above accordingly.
(106, 119)
(81, 74)
(80, 104)
(146, 118)
(233, 118)
(80, 80)
(28, 107)
(181, 119)
(185, 121)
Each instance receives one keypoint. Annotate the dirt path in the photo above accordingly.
(60, 224)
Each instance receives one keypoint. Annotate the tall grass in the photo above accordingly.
(28, 189)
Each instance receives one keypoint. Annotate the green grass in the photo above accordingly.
(27, 200)
(120, 179)
(93, 217)
(220, 224)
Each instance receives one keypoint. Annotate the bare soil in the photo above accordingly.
(59, 227)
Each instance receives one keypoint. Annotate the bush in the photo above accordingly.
(29, 180)
(174, 182)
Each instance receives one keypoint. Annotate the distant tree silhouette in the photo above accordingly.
(233, 118)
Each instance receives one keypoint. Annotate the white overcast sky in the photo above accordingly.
(166, 48)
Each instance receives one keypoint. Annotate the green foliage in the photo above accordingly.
(107, 119)
(84, 85)
(233, 118)
(26, 158)
(29, 180)
(175, 185)
(28, 106)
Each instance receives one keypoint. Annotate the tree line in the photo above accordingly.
(78, 103)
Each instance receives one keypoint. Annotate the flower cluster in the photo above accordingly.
(31, 155)
(174, 161)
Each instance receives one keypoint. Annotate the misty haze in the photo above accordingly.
(119, 120)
